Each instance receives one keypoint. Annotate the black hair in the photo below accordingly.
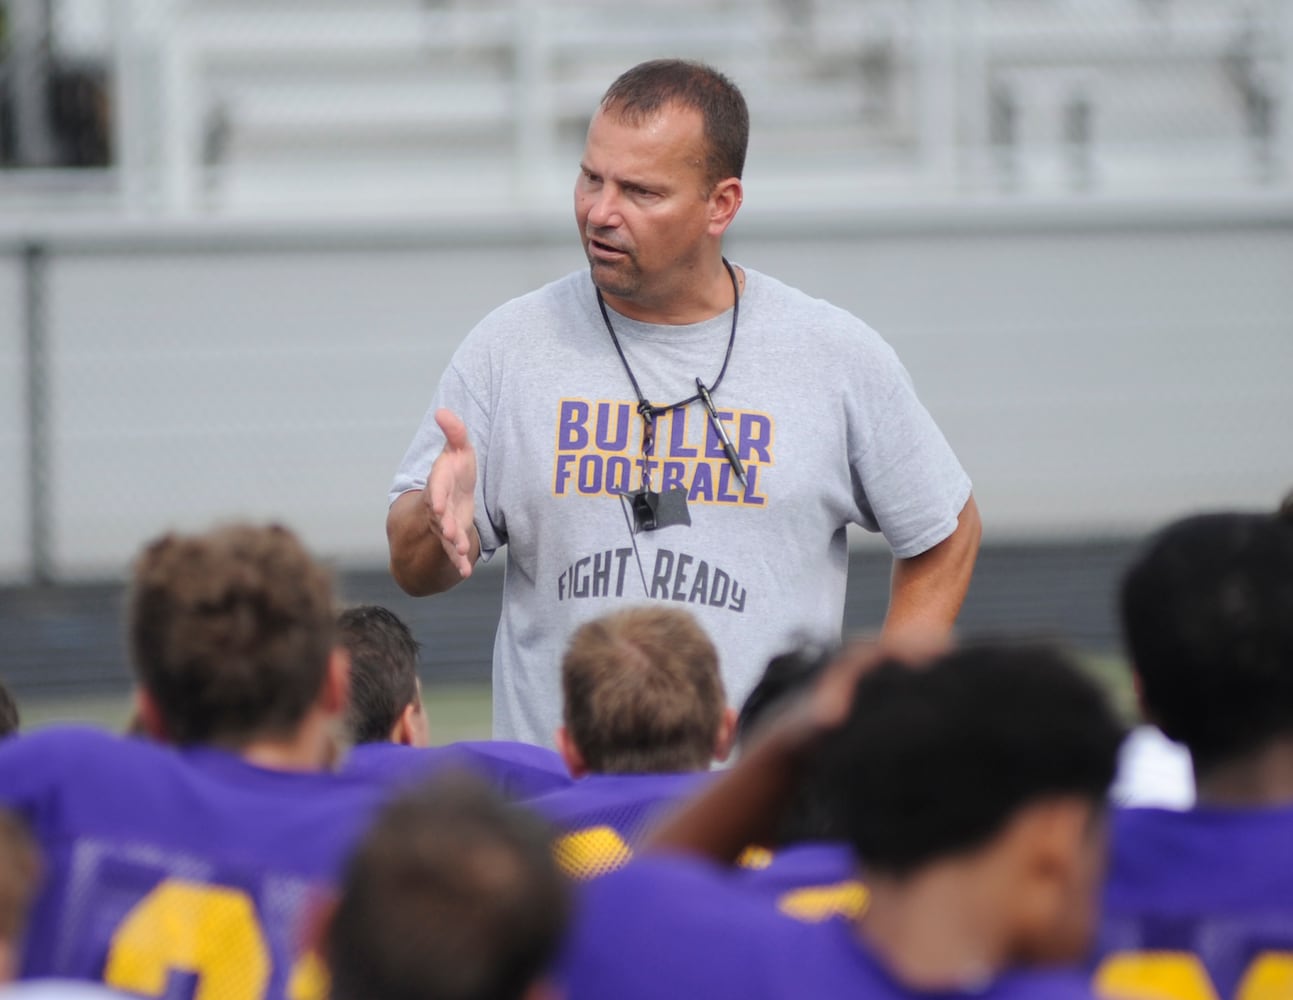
(451, 895)
(934, 761)
(1207, 616)
(788, 676)
(383, 670)
(9, 716)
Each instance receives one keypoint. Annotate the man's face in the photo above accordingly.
(643, 208)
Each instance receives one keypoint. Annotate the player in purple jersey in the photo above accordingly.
(517, 770)
(805, 866)
(973, 789)
(451, 896)
(188, 864)
(385, 693)
(387, 725)
(1200, 903)
(645, 715)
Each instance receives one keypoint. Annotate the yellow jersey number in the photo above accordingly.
(211, 932)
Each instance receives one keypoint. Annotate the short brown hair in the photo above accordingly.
(642, 692)
(642, 91)
(451, 895)
(230, 632)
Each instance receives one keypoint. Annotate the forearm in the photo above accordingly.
(926, 591)
(744, 805)
(418, 560)
(740, 807)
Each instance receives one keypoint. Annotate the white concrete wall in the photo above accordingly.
(1097, 371)
(13, 421)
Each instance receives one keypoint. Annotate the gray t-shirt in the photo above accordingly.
(821, 412)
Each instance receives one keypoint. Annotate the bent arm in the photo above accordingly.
(926, 591)
(744, 804)
(420, 563)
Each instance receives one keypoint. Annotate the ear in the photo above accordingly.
(570, 754)
(1059, 873)
(724, 202)
(1059, 829)
(410, 728)
(146, 719)
(726, 734)
(542, 989)
(334, 694)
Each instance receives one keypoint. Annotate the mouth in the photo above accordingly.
(605, 251)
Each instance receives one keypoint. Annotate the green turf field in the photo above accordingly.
(462, 711)
(456, 712)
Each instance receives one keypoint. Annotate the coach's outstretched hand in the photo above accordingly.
(432, 531)
(449, 497)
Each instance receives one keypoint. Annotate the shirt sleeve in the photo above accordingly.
(909, 484)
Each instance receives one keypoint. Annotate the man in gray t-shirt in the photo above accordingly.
(668, 426)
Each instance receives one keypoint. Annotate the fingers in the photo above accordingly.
(454, 430)
(833, 696)
(444, 524)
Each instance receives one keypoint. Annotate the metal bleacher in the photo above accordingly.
(244, 105)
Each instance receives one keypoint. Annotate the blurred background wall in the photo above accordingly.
(239, 239)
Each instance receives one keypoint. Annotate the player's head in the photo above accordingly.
(452, 895)
(993, 759)
(1207, 615)
(385, 695)
(660, 180)
(9, 718)
(231, 635)
(642, 695)
(786, 678)
(20, 868)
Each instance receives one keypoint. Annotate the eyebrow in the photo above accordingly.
(626, 182)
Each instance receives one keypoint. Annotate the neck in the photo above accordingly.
(706, 295)
(311, 747)
(940, 929)
(1261, 778)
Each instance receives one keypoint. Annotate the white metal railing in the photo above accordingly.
(233, 106)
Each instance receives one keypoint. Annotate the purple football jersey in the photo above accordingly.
(667, 927)
(605, 816)
(810, 881)
(516, 770)
(170, 870)
(1201, 899)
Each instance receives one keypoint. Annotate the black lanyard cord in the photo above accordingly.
(648, 411)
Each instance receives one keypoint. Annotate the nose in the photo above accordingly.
(603, 208)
